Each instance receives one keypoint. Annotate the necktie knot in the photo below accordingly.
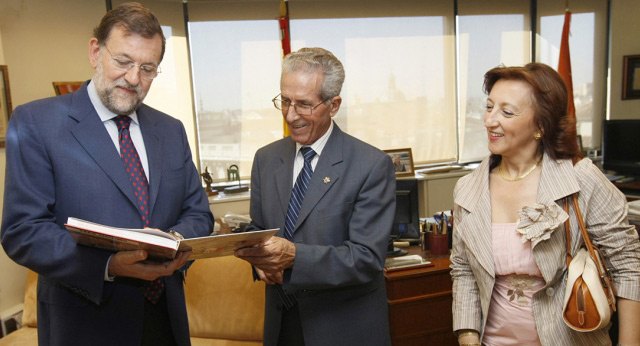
(308, 154)
(123, 122)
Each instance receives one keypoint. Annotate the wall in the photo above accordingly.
(624, 32)
(13, 276)
(12, 284)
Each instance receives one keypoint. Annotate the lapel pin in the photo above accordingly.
(326, 180)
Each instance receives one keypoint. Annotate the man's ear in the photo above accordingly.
(94, 52)
(335, 105)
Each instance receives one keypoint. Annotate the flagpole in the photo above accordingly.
(285, 39)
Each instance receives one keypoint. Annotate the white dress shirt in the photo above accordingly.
(317, 146)
(107, 119)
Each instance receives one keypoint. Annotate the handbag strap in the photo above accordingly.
(583, 229)
(567, 229)
(567, 226)
(604, 276)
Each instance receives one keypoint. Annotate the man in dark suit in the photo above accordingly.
(67, 157)
(324, 268)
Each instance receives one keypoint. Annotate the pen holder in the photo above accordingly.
(439, 244)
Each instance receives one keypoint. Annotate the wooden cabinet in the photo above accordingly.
(420, 304)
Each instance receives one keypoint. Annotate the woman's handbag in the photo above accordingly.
(589, 300)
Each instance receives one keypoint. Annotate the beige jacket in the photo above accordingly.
(604, 210)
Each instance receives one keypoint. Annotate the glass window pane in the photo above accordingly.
(488, 35)
(581, 49)
(395, 94)
(236, 73)
(587, 46)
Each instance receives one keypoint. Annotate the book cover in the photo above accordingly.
(160, 245)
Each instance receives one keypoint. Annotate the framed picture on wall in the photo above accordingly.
(402, 161)
(62, 88)
(5, 103)
(631, 77)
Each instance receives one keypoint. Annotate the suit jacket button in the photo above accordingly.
(550, 291)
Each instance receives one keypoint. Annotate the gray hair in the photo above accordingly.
(317, 59)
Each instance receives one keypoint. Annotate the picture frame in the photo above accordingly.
(5, 103)
(631, 77)
(402, 161)
(62, 88)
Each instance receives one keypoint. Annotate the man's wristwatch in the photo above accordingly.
(175, 234)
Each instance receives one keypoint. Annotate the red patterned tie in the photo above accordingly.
(133, 166)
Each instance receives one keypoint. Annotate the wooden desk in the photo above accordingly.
(420, 303)
(631, 190)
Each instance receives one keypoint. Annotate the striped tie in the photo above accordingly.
(299, 189)
(295, 203)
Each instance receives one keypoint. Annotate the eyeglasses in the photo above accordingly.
(302, 109)
(125, 64)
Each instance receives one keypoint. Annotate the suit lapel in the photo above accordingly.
(478, 223)
(557, 181)
(328, 166)
(153, 145)
(284, 175)
(94, 138)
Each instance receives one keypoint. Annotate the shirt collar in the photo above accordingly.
(104, 113)
(318, 145)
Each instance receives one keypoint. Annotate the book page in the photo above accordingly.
(224, 244)
(88, 225)
(147, 235)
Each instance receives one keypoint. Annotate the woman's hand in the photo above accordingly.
(468, 337)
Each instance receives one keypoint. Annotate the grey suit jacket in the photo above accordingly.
(61, 162)
(341, 238)
(604, 211)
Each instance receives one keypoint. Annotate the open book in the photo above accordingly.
(160, 245)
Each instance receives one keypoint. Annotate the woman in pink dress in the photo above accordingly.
(509, 244)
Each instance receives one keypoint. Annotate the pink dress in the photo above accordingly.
(510, 319)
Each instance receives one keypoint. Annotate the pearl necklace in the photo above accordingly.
(521, 176)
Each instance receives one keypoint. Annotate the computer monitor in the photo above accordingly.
(620, 143)
(406, 222)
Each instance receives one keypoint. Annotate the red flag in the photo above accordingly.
(283, 20)
(564, 63)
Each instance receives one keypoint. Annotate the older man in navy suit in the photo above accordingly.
(71, 156)
(334, 198)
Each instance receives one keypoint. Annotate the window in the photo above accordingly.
(488, 35)
(395, 93)
(236, 73)
(414, 70)
(405, 103)
(587, 50)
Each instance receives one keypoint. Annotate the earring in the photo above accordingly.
(537, 136)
